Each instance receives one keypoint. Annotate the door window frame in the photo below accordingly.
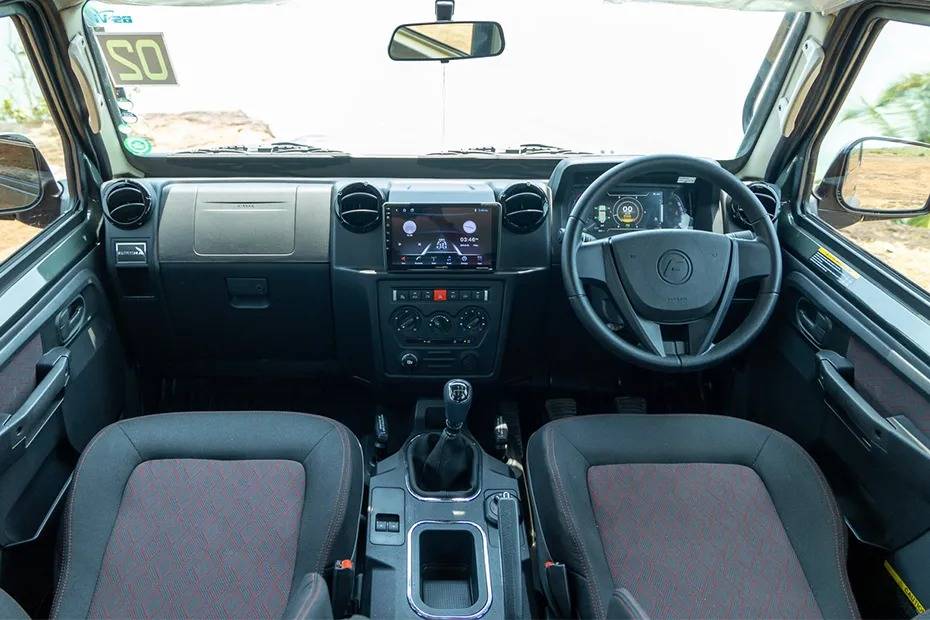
(881, 274)
(36, 38)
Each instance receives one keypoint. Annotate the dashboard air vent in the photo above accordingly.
(358, 207)
(127, 204)
(767, 194)
(523, 207)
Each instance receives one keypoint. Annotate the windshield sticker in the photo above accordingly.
(109, 16)
(137, 145)
(137, 59)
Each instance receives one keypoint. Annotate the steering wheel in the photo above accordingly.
(672, 287)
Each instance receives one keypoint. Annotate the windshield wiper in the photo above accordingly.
(294, 147)
(233, 148)
(523, 149)
(477, 150)
(542, 149)
(271, 147)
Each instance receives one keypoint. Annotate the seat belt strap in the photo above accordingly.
(556, 589)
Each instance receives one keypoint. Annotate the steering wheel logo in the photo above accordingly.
(675, 267)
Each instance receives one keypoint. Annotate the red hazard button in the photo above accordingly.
(439, 294)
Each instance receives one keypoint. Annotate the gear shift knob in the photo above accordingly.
(457, 397)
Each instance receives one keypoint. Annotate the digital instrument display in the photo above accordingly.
(441, 236)
(635, 207)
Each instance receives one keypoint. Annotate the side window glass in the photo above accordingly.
(873, 169)
(32, 165)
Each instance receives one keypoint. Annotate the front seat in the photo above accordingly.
(685, 516)
(210, 515)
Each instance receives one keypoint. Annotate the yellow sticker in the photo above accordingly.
(833, 259)
(907, 591)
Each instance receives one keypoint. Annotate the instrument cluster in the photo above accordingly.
(628, 207)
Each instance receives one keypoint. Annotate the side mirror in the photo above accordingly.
(446, 41)
(877, 178)
(28, 189)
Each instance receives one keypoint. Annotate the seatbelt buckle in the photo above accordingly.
(343, 593)
(558, 594)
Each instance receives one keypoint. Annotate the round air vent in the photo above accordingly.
(523, 207)
(358, 207)
(127, 204)
(767, 194)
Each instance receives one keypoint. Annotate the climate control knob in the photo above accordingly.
(440, 324)
(473, 322)
(407, 321)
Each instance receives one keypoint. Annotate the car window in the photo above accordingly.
(30, 193)
(890, 98)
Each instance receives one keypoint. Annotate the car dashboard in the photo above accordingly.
(388, 280)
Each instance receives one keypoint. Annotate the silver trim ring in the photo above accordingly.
(478, 464)
(487, 571)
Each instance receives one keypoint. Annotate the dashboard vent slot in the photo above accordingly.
(358, 207)
(767, 194)
(127, 204)
(523, 207)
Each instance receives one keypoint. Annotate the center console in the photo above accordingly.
(429, 287)
(440, 327)
(444, 537)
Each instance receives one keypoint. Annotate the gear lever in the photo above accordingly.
(448, 465)
(457, 397)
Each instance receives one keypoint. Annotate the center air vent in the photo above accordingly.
(127, 204)
(523, 207)
(358, 207)
(767, 194)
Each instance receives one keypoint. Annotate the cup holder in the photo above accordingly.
(448, 570)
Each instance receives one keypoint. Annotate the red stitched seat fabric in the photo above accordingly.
(698, 540)
(203, 539)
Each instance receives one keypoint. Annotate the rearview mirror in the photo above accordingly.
(879, 178)
(446, 41)
(28, 188)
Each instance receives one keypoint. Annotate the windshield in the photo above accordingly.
(585, 75)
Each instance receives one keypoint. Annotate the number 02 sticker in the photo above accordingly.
(137, 59)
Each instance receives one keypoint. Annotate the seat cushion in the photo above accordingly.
(696, 516)
(208, 515)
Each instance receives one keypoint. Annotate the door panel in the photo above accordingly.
(885, 390)
(856, 398)
(61, 380)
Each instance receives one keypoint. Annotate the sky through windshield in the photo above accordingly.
(585, 74)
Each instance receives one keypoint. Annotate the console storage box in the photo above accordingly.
(448, 569)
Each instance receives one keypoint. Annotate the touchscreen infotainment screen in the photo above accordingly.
(441, 236)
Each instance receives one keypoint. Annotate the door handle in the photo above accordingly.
(69, 320)
(17, 430)
(835, 374)
(813, 323)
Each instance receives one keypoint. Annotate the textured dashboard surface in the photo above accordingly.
(219, 222)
